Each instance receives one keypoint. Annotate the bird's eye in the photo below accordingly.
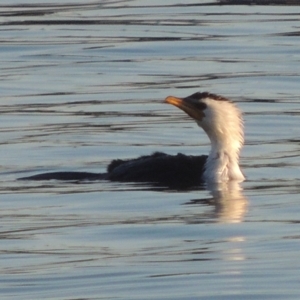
(195, 100)
(200, 105)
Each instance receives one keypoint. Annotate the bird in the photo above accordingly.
(221, 120)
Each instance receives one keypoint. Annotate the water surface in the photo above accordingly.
(83, 83)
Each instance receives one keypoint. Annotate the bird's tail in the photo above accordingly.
(67, 176)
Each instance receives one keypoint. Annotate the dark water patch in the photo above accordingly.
(30, 9)
(136, 22)
(260, 2)
(293, 33)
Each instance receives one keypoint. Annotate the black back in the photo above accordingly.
(173, 171)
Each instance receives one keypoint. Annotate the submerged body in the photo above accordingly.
(222, 122)
(160, 169)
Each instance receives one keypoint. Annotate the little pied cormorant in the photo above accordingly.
(220, 119)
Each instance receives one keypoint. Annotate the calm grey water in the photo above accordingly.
(83, 83)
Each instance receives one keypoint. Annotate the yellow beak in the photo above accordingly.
(188, 106)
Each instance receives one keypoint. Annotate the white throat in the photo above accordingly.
(224, 126)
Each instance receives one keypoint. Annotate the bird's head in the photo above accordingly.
(219, 117)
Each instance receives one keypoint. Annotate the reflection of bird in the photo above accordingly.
(228, 200)
(222, 122)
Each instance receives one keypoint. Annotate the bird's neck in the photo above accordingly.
(223, 124)
(223, 163)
